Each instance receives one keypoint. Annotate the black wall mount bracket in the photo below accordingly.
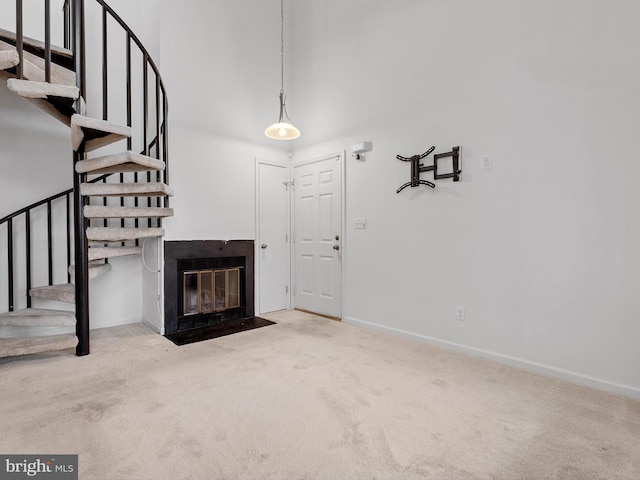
(417, 168)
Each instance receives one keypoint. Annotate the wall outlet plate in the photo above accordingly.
(459, 313)
(486, 163)
(361, 223)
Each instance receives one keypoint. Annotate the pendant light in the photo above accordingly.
(283, 129)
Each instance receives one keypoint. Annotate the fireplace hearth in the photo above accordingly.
(207, 282)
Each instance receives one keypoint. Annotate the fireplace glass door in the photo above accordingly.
(207, 291)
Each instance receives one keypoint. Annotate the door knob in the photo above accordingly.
(336, 247)
(263, 246)
(337, 237)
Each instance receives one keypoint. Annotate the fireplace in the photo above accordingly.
(207, 283)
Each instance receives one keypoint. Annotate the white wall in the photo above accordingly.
(33, 20)
(218, 82)
(541, 250)
(222, 66)
(35, 163)
(214, 183)
(41, 149)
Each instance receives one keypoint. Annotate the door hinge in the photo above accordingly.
(289, 184)
(286, 288)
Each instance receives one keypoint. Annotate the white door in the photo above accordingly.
(273, 237)
(318, 237)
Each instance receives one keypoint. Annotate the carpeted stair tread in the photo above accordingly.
(95, 133)
(65, 292)
(96, 253)
(33, 68)
(9, 36)
(38, 317)
(118, 163)
(13, 346)
(116, 234)
(59, 107)
(9, 59)
(97, 211)
(147, 189)
(95, 270)
(31, 89)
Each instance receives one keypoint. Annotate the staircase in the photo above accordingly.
(53, 78)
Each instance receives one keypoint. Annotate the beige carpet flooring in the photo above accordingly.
(309, 398)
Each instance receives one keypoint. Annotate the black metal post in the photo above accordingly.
(67, 24)
(81, 251)
(78, 45)
(129, 94)
(68, 210)
(122, 221)
(158, 175)
(10, 262)
(47, 41)
(145, 119)
(105, 222)
(49, 243)
(27, 235)
(165, 143)
(145, 103)
(19, 39)
(81, 255)
(129, 123)
(105, 78)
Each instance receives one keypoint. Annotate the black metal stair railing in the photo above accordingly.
(24, 216)
(148, 122)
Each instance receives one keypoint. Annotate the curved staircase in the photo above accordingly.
(103, 231)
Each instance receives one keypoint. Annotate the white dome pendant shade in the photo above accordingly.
(283, 130)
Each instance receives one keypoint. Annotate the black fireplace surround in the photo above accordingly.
(181, 256)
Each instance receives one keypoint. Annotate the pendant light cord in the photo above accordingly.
(282, 46)
(283, 129)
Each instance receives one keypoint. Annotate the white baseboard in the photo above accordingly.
(116, 323)
(579, 378)
(153, 326)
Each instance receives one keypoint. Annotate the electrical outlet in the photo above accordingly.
(485, 162)
(459, 313)
(361, 223)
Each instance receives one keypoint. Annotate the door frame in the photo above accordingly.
(342, 155)
(256, 281)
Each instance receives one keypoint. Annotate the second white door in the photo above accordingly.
(273, 241)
